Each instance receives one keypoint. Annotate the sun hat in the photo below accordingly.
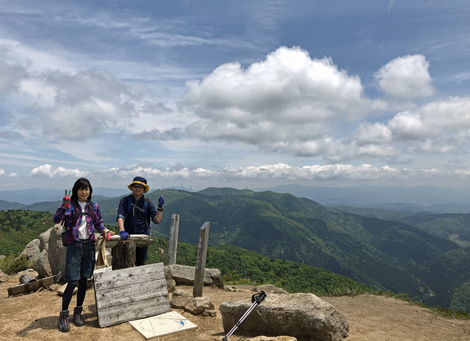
(138, 180)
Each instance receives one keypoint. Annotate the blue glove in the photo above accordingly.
(124, 235)
(161, 201)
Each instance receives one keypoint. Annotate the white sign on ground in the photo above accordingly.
(164, 324)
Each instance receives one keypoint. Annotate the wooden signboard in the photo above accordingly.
(129, 294)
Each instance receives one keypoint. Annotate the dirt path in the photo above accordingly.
(34, 317)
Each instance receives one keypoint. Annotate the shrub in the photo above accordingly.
(11, 265)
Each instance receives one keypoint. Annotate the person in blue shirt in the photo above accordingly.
(135, 213)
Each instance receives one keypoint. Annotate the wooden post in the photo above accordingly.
(173, 244)
(201, 260)
(123, 255)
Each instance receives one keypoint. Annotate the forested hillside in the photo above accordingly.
(383, 254)
(19, 227)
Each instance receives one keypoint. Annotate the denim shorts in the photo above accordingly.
(79, 261)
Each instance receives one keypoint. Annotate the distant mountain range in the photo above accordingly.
(407, 252)
(420, 198)
(33, 195)
(414, 199)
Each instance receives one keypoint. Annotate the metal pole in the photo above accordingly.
(256, 299)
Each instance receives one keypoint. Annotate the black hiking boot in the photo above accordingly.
(64, 321)
(77, 317)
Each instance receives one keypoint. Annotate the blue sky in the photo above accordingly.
(243, 94)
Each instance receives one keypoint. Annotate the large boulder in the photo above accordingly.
(304, 316)
(44, 240)
(32, 251)
(56, 252)
(184, 275)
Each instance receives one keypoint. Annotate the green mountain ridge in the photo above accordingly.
(383, 254)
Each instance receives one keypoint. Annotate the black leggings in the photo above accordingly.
(68, 293)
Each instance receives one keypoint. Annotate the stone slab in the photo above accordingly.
(164, 324)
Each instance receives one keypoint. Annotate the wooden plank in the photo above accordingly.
(120, 314)
(201, 259)
(173, 244)
(131, 294)
(128, 294)
(114, 280)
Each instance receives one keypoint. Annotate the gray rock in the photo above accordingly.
(42, 264)
(198, 305)
(269, 288)
(171, 285)
(184, 275)
(26, 278)
(304, 316)
(56, 252)
(180, 298)
(44, 240)
(32, 251)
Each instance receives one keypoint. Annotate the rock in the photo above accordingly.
(180, 298)
(26, 278)
(44, 240)
(210, 313)
(184, 275)
(56, 252)
(269, 288)
(54, 287)
(304, 316)
(42, 264)
(32, 251)
(171, 285)
(198, 305)
(4, 277)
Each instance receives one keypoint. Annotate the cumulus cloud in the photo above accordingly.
(289, 96)
(437, 127)
(46, 171)
(406, 78)
(256, 175)
(3, 174)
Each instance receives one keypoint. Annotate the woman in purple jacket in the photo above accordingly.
(80, 217)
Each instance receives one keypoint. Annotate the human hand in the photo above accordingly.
(161, 201)
(66, 199)
(107, 234)
(124, 235)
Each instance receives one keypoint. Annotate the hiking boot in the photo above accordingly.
(77, 317)
(64, 321)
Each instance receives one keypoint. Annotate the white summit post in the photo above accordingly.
(175, 224)
(201, 260)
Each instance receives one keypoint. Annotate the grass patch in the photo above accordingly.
(12, 265)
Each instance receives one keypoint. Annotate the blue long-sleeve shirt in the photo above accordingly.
(136, 221)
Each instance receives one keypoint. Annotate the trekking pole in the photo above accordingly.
(256, 299)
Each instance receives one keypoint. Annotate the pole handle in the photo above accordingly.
(259, 297)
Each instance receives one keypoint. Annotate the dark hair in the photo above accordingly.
(79, 184)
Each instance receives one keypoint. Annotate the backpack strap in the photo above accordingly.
(78, 212)
(132, 206)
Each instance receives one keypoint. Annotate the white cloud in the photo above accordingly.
(406, 78)
(46, 171)
(256, 176)
(288, 102)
